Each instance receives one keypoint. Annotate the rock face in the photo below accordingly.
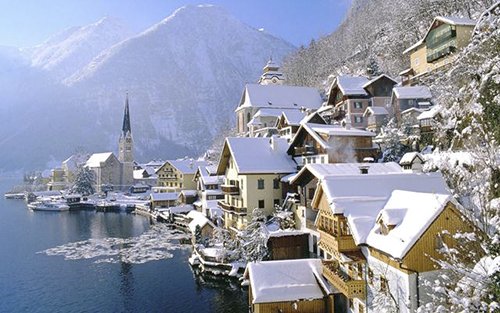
(184, 77)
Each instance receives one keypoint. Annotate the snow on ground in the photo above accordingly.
(154, 244)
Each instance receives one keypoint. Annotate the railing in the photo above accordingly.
(231, 208)
(431, 57)
(350, 287)
(305, 150)
(230, 189)
(336, 244)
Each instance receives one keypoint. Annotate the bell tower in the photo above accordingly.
(271, 74)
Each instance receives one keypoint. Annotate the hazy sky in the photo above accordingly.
(29, 22)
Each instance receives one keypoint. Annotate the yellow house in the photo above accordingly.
(380, 233)
(253, 168)
(437, 48)
(178, 175)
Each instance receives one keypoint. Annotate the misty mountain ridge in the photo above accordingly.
(184, 76)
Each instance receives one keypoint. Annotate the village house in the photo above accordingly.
(289, 122)
(319, 143)
(70, 166)
(306, 182)
(198, 222)
(407, 97)
(379, 235)
(427, 122)
(57, 180)
(208, 186)
(253, 168)
(177, 175)
(262, 104)
(107, 171)
(376, 118)
(350, 96)
(412, 162)
(444, 37)
(163, 199)
(288, 286)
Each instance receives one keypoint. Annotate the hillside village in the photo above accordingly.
(322, 201)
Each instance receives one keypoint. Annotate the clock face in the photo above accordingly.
(128, 140)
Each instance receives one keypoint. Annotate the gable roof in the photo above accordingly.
(254, 155)
(409, 157)
(187, 166)
(287, 280)
(376, 111)
(352, 85)
(412, 92)
(368, 83)
(431, 113)
(96, 159)
(280, 96)
(361, 198)
(331, 130)
(412, 214)
(320, 171)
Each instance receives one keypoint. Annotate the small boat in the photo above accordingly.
(48, 206)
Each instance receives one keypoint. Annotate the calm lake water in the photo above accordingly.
(85, 261)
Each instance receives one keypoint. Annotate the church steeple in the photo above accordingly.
(126, 119)
(126, 144)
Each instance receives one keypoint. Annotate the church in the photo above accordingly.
(111, 172)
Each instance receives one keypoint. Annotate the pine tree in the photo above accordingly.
(84, 182)
(253, 240)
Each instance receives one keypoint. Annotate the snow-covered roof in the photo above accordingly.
(198, 219)
(412, 109)
(352, 85)
(337, 130)
(75, 160)
(321, 171)
(412, 92)
(280, 96)
(287, 280)
(294, 117)
(272, 112)
(180, 209)
(415, 45)
(409, 157)
(368, 83)
(164, 196)
(431, 113)
(187, 166)
(411, 213)
(376, 111)
(189, 193)
(256, 155)
(362, 197)
(96, 159)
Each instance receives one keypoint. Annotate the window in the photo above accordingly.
(417, 61)
(361, 308)
(358, 105)
(438, 242)
(310, 193)
(241, 184)
(370, 276)
(276, 183)
(358, 119)
(260, 183)
(276, 202)
(261, 204)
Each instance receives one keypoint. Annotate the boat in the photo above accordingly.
(48, 206)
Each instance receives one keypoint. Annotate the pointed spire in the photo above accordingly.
(126, 119)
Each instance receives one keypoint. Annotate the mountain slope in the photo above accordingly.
(184, 75)
(73, 48)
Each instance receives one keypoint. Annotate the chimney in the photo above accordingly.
(363, 169)
(273, 143)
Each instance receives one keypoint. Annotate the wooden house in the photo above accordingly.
(379, 233)
(444, 37)
(177, 175)
(288, 286)
(318, 143)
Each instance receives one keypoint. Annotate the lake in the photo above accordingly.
(83, 261)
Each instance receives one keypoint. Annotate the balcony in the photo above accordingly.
(231, 208)
(230, 189)
(306, 150)
(334, 245)
(350, 287)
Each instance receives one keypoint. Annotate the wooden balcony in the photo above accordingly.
(230, 189)
(335, 245)
(350, 287)
(306, 150)
(231, 208)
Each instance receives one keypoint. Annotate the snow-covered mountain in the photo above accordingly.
(73, 48)
(184, 77)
